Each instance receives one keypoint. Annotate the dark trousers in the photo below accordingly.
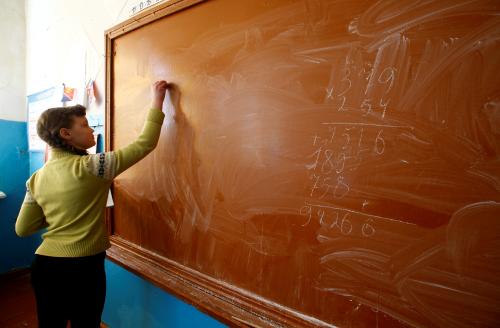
(69, 289)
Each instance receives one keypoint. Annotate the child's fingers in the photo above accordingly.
(160, 85)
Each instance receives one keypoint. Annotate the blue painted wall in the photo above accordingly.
(36, 160)
(133, 302)
(15, 252)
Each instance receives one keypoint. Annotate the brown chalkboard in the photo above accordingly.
(324, 162)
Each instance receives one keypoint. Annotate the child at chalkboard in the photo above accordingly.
(68, 196)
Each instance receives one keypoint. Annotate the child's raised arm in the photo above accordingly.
(110, 164)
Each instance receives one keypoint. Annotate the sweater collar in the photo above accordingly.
(57, 153)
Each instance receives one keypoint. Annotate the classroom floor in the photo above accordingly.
(17, 301)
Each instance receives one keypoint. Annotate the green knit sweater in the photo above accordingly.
(68, 195)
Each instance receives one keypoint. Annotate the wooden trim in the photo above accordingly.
(108, 117)
(150, 15)
(227, 303)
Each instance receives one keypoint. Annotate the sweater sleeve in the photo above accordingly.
(31, 217)
(110, 164)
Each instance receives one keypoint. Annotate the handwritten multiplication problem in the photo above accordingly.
(377, 83)
(361, 91)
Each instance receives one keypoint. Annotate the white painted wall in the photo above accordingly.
(12, 60)
(45, 43)
(65, 42)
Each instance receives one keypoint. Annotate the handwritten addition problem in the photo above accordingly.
(342, 146)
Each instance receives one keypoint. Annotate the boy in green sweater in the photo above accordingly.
(68, 197)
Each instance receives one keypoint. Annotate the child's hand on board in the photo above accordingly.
(159, 89)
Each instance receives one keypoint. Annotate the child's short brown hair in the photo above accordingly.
(52, 120)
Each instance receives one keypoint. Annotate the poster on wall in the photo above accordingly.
(37, 103)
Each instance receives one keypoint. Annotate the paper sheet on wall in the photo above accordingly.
(37, 103)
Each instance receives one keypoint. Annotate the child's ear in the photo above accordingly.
(65, 133)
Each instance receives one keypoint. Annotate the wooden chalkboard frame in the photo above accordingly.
(227, 303)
